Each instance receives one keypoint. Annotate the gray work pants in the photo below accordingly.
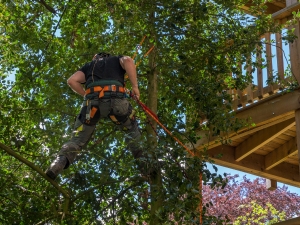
(119, 110)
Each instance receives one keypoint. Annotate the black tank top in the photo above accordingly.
(107, 68)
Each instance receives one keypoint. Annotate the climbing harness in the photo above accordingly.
(91, 110)
(101, 90)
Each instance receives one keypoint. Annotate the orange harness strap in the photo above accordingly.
(93, 112)
(101, 90)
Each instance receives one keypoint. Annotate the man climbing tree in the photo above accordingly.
(104, 96)
(186, 76)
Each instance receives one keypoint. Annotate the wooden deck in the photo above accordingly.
(269, 149)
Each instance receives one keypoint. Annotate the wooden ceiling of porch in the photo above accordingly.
(268, 149)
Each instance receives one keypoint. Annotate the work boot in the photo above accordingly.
(57, 166)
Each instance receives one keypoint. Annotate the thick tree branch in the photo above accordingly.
(50, 9)
(35, 168)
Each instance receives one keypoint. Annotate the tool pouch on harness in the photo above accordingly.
(122, 114)
(121, 107)
(90, 112)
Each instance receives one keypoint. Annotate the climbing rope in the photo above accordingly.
(150, 113)
(138, 47)
(154, 116)
(146, 109)
(145, 55)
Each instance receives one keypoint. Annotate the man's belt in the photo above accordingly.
(101, 90)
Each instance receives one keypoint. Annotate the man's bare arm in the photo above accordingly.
(76, 81)
(128, 64)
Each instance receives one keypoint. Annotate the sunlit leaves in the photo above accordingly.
(197, 45)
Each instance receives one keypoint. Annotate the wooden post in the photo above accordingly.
(295, 53)
(240, 98)
(249, 90)
(260, 87)
(297, 119)
(269, 61)
(235, 99)
(240, 92)
(279, 57)
(271, 184)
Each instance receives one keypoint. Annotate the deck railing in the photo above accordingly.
(279, 58)
(283, 62)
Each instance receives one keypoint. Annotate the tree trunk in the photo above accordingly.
(155, 178)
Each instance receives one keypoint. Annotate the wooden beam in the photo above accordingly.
(260, 138)
(247, 6)
(264, 110)
(271, 107)
(279, 3)
(280, 154)
(261, 126)
(286, 12)
(279, 10)
(266, 98)
(272, 8)
(297, 118)
(271, 184)
(255, 164)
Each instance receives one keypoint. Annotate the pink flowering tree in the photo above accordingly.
(237, 198)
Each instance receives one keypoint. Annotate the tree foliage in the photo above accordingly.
(260, 215)
(246, 201)
(44, 42)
